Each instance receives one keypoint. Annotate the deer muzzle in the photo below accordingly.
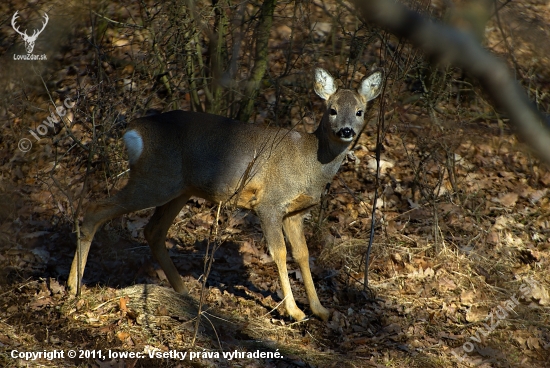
(346, 133)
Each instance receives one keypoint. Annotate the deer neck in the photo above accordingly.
(329, 151)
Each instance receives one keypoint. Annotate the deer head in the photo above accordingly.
(29, 40)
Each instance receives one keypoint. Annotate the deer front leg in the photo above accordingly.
(273, 233)
(293, 226)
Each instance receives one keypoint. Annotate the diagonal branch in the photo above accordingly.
(445, 44)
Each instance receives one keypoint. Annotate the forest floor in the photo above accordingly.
(460, 264)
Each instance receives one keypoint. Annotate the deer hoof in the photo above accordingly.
(296, 314)
(322, 313)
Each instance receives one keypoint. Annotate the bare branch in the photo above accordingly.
(260, 59)
(448, 45)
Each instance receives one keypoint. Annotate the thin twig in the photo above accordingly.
(79, 208)
(380, 132)
(276, 307)
(119, 23)
(208, 260)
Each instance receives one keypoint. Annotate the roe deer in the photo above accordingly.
(278, 173)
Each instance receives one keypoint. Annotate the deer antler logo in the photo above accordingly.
(29, 40)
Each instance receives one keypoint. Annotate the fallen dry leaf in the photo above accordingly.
(476, 314)
(508, 199)
(122, 335)
(467, 297)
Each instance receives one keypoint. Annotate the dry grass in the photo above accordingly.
(462, 219)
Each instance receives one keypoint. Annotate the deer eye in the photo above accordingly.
(359, 113)
(333, 112)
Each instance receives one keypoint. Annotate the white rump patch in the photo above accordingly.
(134, 145)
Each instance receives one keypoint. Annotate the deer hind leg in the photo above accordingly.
(155, 233)
(273, 233)
(293, 227)
(132, 197)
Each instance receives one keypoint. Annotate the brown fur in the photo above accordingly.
(279, 174)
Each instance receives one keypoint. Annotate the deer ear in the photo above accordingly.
(371, 86)
(325, 85)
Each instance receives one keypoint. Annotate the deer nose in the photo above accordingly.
(346, 133)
